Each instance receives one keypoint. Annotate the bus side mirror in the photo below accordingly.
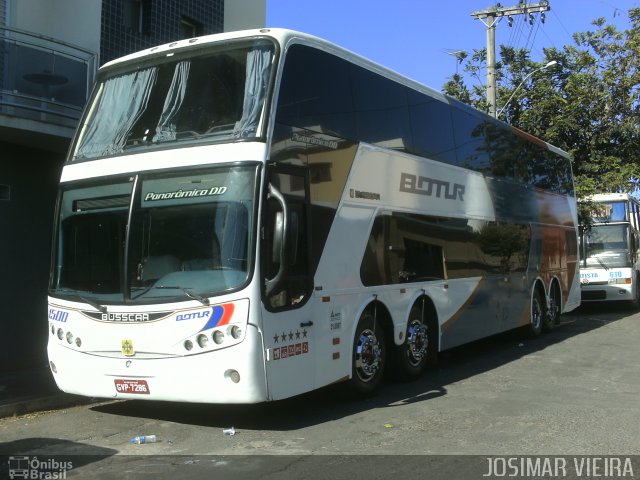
(278, 230)
(292, 239)
(285, 239)
(284, 242)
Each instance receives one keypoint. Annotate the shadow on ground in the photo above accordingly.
(333, 402)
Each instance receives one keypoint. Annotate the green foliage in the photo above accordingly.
(505, 241)
(588, 104)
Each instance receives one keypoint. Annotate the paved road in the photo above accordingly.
(572, 392)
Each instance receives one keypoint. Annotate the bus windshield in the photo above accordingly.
(609, 212)
(156, 236)
(606, 246)
(212, 97)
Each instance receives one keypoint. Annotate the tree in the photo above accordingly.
(588, 104)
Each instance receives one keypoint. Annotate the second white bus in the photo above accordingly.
(609, 244)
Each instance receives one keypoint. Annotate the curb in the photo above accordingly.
(40, 404)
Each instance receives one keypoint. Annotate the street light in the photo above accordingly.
(550, 64)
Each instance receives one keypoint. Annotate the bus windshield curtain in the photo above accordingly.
(255, 89)
(166, 129)
(123, 101)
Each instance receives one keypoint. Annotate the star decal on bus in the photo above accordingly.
(284, 336)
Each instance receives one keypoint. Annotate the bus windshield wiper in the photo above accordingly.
(604, 265)
(194, 296)
(191, 295)
(94, 304)
(145, 290)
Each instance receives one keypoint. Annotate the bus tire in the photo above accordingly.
(635, 303)
(411, 358)
(552, 317)
(369, 356)
(536, 314)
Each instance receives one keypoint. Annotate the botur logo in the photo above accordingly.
(431, 187)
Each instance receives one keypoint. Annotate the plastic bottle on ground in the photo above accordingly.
(143, 439)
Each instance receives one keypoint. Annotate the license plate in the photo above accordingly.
(132, 386)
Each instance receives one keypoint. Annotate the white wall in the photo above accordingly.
(244, 14)
(72, 21)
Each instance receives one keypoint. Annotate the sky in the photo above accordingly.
(417, 38)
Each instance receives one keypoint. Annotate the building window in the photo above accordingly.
(134, 15)
(190, 27)
(5, 192)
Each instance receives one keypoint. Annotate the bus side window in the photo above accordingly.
(402, 249)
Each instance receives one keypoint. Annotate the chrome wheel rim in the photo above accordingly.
(554, 306)
(417, 342)
(368, 359)
(536, 313)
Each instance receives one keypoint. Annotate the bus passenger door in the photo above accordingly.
(287, 285)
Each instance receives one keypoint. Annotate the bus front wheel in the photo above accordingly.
(369, 355)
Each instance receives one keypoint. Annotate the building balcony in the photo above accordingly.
(44, 84)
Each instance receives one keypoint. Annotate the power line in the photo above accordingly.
(490, 17)
(562, 25)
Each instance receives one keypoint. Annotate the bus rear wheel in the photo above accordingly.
(635, 303)
(414, 354)
(552, 317)
(536, 314)
(369, 356)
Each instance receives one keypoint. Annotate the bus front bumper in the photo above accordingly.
(605, 293)
(231, 375)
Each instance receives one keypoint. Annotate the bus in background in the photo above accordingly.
(248, 216)
(609, 268)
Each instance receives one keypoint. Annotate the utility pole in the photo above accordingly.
(490, 17)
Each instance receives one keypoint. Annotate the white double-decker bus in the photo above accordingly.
(609, 243)
(249, 216)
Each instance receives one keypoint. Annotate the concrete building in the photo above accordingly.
(49, 55)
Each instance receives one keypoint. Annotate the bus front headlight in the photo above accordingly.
(218, 337)
(203, 340)
(236, 332)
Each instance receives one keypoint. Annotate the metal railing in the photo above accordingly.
(42, 78)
